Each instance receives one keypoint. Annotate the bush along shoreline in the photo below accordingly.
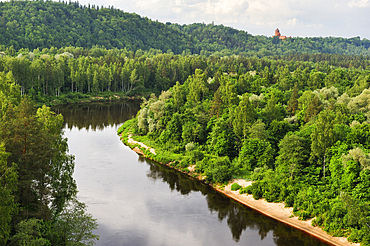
(174, 161)
(229, 188)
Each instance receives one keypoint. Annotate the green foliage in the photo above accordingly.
(29, 232)
(246, 190)
(74, 226)
(255, 153)
(36, 171)
(235, 186)
(9, 92)
(244, 115)
(221, 138)
(219, 170)
(8, 186)
(293, 155)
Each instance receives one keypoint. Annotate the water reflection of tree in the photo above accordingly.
(237, 216)
(97, 115)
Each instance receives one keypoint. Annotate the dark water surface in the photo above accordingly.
(138, 202)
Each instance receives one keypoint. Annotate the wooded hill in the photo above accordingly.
(39, 24)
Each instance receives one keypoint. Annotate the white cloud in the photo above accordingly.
(359, 3)
(292, 22)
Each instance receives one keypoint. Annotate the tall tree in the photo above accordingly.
(292, 106)
(243, 117)
(293, 155)
(323, 136)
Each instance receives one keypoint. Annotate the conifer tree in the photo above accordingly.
(293, 101)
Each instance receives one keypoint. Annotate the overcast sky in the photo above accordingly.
(303, 18)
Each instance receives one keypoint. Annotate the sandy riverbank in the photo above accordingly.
(280, 213)
(274, 210)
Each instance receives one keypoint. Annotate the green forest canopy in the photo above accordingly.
(46, 76)
(300, 130)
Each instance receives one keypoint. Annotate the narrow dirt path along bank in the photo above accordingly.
(276, 211)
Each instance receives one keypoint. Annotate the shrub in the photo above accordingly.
(289, 201)
(257, 190)
(174, 163)
(246, 190)
(202, 165)
(196, 156)
(185, 162)
(235, 186)
(219, 170)
(272, 192)
(190, 147)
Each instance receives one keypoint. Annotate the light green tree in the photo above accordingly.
(243, 117)
(323, 136)
(74, 226)
(29, 234)
(293, 155)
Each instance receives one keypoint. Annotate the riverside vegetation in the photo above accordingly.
(38, 204)
(297, 125)
(299, 130)
(290, 115)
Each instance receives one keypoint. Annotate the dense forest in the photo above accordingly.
(78, 73)
(291, 115)
(48, 24)
(298, 129)
(38, 204)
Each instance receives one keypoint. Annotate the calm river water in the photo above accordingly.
(138, 202)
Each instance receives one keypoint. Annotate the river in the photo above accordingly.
(138, 202)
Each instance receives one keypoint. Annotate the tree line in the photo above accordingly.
(49, 74)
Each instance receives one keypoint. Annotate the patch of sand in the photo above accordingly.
(279, 212)
(132, 141)
(191, 168)
(139, 151)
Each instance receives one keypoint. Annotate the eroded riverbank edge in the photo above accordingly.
(277, 211)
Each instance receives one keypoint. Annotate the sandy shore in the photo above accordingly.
(280, 213)
(136, 149)
(274, 210)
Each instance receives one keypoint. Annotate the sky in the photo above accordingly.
(296, 18)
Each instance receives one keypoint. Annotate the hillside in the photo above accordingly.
(211, 38)
(39, 24)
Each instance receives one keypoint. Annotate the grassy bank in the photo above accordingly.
(162, 156)
(76, 97)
